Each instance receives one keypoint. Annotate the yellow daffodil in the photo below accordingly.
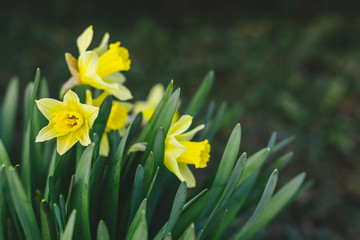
(69, 121)
(116, 121)
(99, 68)
(180, 151)
(148, 107)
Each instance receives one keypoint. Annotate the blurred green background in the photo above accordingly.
(285, 66)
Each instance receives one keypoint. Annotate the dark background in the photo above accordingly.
(285, 66)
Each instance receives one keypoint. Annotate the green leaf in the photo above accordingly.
(136, 192)
(9, 108)
(234, 204)
(48, 228)
(189, 233)
(280, 145)
(253, 164)
(225, 167)
(200, 96)
(216, 123)
(80, 194)
(102, 231)
(191, 201)
(69, 228)
(4, 157)
(152, 184)
(276, 204)
(111, 192)
(135, 126)
(149, 169)
(2, 201)
(229, 189)
(177, 207)
(265, 199)
(148, 130)
(167, 113)
(58, 217)
(138, 228)
(22, 205)
(101, 120)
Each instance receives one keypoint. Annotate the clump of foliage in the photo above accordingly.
(75, 190)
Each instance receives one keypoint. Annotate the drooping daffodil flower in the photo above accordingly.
(180, 151)
(116, 121)
(69, 121)
(147, 107)
(100, 67)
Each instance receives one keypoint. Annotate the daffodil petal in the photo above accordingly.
(83, 135)
(155, 95)
(187, 174)
(48, 106)
(91, 113)
(171, 163)
(104, 146)
(71, 97)
(122, 92)
(65, 142)
(189, 135)
(84, 40)
(46, 133)
(180, 126)
(72, 64)
(103, 45)
(88, 62)
(115, 78)
(174, 147)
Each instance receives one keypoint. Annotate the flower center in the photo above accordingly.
(197, 153)
(68, 121)
(113, 60)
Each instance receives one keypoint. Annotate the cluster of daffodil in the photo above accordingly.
(70, 121)
(114, 170)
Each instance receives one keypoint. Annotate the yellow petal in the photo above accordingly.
(115, 78)
(180, 126)
(155, 95)
(72, 64)
(91, 113)
(82, 135)
(103, 45)
(173, 147)
(46, 133)
(48, 107)
(104, 146)
(84, 40)
(189, 135)
(171, 163)
(88, 62)
(121, 92)
(64, 143)
(187, 174)
(71, 97)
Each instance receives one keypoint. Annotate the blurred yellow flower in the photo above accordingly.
(116, 121)
(69, 121)
(148, 107)
(180, 151)
(99, 68)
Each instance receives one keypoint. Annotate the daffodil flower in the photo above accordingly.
(99, 68)
(69, 121)
(148, 107)
(180, 151)
(116, 121)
